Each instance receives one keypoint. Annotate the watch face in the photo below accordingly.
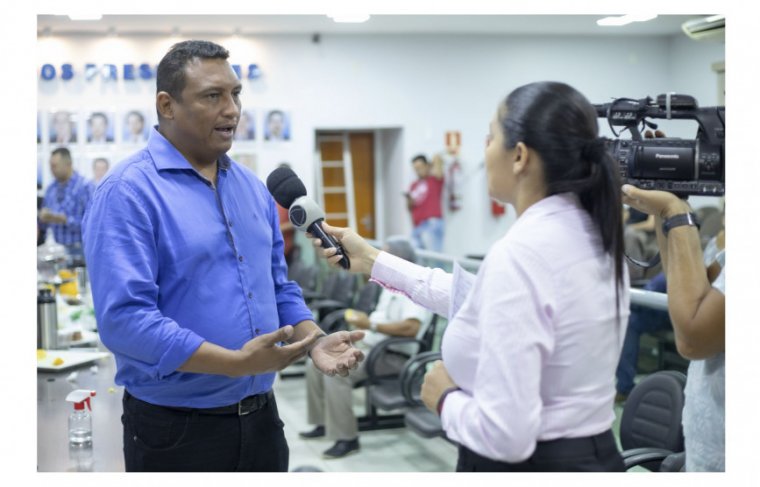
(297, 215)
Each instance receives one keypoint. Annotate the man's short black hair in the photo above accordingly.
(420, 157)
(170, 76)
(65, 154)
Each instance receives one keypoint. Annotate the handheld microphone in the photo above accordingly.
(288, 190)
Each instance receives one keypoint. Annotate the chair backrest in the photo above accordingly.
(338, 285)
(652, 413)
(428, 336)
(367, 297)
(305, 276)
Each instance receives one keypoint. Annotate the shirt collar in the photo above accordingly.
(553, 204)
(166, 156)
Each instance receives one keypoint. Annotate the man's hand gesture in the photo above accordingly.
(334, 354)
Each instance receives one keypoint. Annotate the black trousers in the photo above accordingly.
(161, 439)
(596, 453)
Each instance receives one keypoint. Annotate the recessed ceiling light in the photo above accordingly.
(617, 21)
(350, 18)
(85, 16)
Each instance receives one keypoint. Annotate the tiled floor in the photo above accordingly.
(394, 450)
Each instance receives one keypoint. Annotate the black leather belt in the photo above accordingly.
(248, 405)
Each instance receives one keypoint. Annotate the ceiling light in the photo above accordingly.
(624, 19)
(350, 18)
(84, 16)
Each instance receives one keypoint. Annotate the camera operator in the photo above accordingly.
(696, 303)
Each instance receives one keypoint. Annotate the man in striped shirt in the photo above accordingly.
(65, 202)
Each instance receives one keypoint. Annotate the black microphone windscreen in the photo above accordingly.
(285, 186)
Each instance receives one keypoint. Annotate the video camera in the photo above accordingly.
(681, 166)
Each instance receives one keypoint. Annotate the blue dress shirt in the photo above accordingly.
(174, 262)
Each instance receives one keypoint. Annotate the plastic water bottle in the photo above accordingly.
(80, 420)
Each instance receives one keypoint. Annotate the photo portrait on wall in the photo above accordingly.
(100, 127)
(63, 127)
(135, 127)
(246, 128)
(277, 125)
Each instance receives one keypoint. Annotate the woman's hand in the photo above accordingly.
(658, 203)
(437, 381)
(361, 253)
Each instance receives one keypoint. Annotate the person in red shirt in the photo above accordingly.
(424, 202)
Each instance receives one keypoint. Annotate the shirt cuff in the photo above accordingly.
(452, 407)
(394, 273)
(183, 346)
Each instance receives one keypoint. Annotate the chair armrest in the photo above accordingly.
(309, 295)
(377, 353)
(674, 463)
(415, 367)
(333, 321)
(639, 456)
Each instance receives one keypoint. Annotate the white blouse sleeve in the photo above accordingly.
(500, 419)
(430, 288)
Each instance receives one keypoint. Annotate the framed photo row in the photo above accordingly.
(102, 127)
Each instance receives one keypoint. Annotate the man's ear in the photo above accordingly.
(165, 105)
(521, 158)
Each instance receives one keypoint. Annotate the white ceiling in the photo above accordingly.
(664, 25)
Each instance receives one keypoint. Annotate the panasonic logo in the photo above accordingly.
(667, 156)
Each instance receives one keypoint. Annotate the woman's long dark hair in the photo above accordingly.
(559, 123)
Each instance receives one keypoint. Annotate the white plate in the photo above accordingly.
(71, 358)
(88, 337)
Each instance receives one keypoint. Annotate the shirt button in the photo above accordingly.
(257, 331)
(229, 223)
(240, 258)
(250, 295)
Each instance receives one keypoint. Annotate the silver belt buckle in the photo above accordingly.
(240, 409)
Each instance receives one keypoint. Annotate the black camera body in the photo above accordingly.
(681, 166)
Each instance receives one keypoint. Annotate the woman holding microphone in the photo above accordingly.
(527, 380)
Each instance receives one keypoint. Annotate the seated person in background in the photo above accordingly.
(697, 304)
(330, 399)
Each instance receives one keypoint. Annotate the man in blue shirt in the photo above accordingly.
(65, 202)
(190, 285)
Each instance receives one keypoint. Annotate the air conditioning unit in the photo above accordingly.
(712, 27)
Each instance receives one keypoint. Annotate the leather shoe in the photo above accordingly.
(342, 448)
(317, 432)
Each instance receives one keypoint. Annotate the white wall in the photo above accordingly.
(425, 85)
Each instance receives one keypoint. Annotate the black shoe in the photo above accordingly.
(317, 432)
(342, 448)
(620, 398)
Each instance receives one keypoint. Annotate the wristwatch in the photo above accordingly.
(679, 220)
(373, 326)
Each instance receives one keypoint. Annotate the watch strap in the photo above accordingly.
(678, 221)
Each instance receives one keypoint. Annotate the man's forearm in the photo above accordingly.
(212, 359)
(304, 328)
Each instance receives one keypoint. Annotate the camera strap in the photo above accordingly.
(644, 264)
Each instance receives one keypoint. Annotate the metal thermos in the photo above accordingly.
(47, 320)
(82, 280)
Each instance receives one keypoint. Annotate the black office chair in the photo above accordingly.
(337, 293)
(650, 427)
(419, 418)
(366, 301)
(384, 367)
